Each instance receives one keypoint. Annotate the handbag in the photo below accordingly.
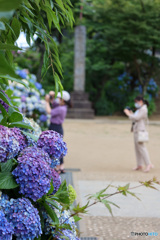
(143, 136)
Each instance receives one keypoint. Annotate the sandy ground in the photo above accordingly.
(103, 150)
(106, 146)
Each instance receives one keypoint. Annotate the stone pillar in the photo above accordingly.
(82, 108)
(79, 58)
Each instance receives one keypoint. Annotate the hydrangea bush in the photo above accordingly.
(29, 100)
(34, 204)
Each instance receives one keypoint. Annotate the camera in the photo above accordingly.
(51, 97)
(128, 108)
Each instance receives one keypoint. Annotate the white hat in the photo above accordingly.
(65, 96)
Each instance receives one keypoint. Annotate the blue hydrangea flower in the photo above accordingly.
(64, 217)
(9, 145)
(22, 73)
(38, 85)
(33, 173)
(6, 228)
(67, 233)
(43, 118)
(52, 143)
(4, 203)
(37, 131)
(24, 218)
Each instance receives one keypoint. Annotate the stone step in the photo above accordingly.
(79, 96)
(81, 104)
(81, 113)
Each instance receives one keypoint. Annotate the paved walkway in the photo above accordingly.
(103, 150)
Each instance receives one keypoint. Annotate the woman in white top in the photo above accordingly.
(139, 119)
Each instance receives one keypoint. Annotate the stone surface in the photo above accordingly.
(119, 228)
(129, 206)
(79, 58)
(81, 106)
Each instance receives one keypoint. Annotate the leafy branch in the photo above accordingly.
(102, 196)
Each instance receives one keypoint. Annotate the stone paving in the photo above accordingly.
(133, 216)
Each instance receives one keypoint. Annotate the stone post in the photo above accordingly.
(79, 58)
(82, 108)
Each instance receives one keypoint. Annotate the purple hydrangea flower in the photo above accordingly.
(56, 180)
(23, 143)
(6, 228)
(33, 173)
(5, 105)
(9, 145)
(52, 143)
(24, 218)
(12, 141)
(23, 98)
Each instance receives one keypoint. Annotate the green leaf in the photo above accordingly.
(9, 92)
(3, 110)
(9, 4)
(14, 79)
(35, 138)
(7, 166)
(106, 203)
(4, 46)
(10, 110)
(51, 188)
(134, 195)
(6, 14)
(76, 218)
(16, 27)
(79, 209)
(4, 121)
(15, 117)
(20, 125)
(7, 181)
(52, 202)
(60, 4)
(5, 68)
(51, 213)
(5, 98)
(2, 26)
(37, 2)
(62, 193)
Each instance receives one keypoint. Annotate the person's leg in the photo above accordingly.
(144, 153)
(138, 155)
(146, 158)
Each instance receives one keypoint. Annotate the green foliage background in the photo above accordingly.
(122, 36)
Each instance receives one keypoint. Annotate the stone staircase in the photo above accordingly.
(82, 107)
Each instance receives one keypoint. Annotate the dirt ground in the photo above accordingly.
(103, 150)
(103, 145)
